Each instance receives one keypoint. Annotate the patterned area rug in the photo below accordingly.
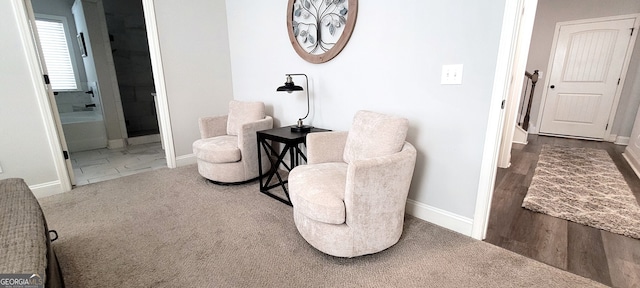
(583, 185)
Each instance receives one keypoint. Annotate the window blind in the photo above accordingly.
(56, 54)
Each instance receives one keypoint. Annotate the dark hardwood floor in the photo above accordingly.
(608, 258)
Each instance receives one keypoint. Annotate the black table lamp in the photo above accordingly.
(289, 87)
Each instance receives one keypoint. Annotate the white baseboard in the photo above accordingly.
(632, 159)
(115, 144)
(446, 219)
(185, 160)
(143, 139)
(47, 189)
(522, 143)
(520, 136)
(620, 140)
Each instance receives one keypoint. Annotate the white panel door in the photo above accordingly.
(52, 98)
(584, 77)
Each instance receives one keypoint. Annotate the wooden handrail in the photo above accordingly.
(533, 77)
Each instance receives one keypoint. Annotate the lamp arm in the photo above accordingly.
(307, 90)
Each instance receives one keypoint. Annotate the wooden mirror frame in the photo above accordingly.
(335, 50)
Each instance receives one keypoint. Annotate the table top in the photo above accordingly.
(284, 134)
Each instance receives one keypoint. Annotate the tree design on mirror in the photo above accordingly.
(319, 29)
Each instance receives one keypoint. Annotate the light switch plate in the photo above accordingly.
(451, 74)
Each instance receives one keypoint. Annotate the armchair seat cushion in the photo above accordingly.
(322, 198)
(221, 149)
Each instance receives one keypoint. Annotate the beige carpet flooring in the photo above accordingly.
(171, 228)
(583, 185)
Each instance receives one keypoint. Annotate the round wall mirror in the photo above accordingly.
(319, 29)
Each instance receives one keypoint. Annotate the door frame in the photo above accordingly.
(164, 120)
(522, 40)
(21, 11)
(623, 73)
(506, 71)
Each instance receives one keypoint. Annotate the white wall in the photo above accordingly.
(550, 12)
(195, 54)
(392, 64)
(24, 149)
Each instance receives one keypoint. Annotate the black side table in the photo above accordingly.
(291, 141)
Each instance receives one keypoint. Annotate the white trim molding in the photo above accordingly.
(47, 189)
(520, 136)
(522, 32)
(185, 160)
(23, 11)
(440, 217)
(621, 140)
(144, 139)
(159, 80)
(632, 159)
(116, 143)
(495, 122)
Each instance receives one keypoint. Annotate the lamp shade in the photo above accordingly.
(289, 86)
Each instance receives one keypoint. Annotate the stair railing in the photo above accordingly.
(531, 78)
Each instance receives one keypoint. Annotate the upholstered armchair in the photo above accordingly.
(350, 198)
(227, 152)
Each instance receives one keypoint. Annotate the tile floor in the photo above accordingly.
(105, 164)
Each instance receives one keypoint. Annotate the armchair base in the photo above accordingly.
(232, 183)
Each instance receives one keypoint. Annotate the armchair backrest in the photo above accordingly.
(373, 134)
(242, 112)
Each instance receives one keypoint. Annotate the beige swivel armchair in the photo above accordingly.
(350, 199)
(228, 151)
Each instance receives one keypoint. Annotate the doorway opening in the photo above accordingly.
(110, 123)
(522, 232)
